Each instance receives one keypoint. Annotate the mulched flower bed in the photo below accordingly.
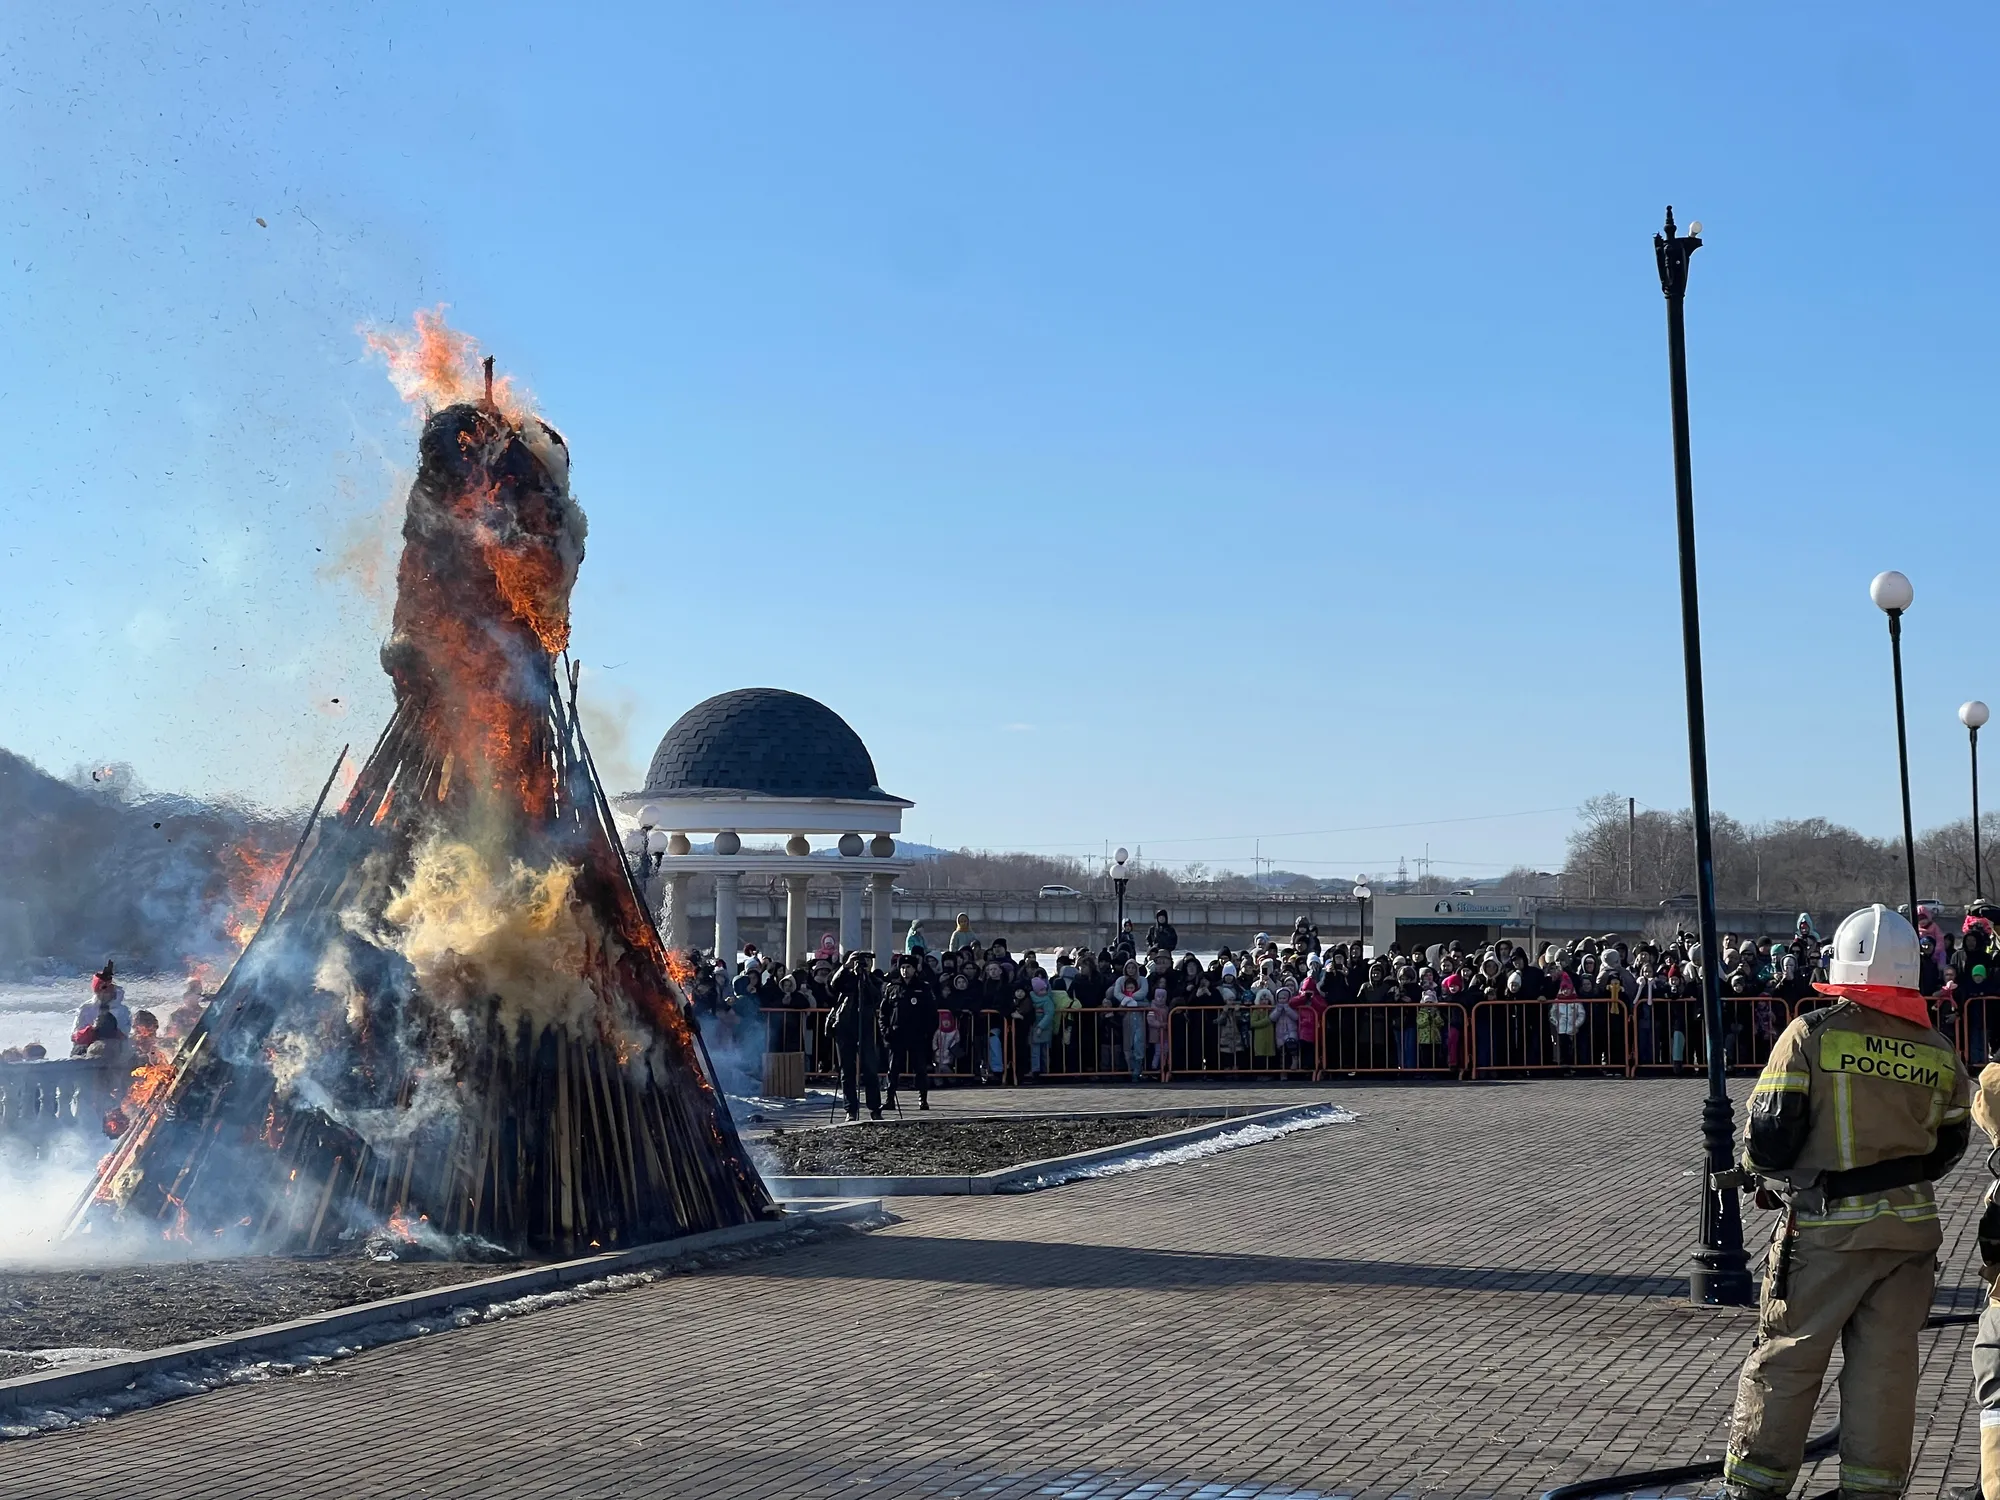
(934, 1148)
(153, 1304)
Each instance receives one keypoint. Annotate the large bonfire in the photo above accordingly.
(456, 1019)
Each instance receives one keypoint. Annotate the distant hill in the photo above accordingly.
(91, 870)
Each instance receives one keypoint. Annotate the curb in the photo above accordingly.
(1023, 1177)
(56, 1386)
(1162, 1112)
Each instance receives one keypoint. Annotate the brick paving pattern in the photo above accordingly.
(1468, 1292)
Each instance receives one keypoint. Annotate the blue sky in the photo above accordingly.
(1165, 424)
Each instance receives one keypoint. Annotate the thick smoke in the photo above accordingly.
(456, 1005)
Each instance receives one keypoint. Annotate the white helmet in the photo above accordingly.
(1875, 947)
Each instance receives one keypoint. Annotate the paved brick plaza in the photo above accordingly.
(1470, 1291)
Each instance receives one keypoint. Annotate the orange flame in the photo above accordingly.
(438, 365)
(405, 1228)
(252, 876)
(146, 1083)
(530, 582)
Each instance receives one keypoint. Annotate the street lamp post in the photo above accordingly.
(1118, 879)
(1892, 594)
(1361, 895)
(1721, 1272)
(1972, 715)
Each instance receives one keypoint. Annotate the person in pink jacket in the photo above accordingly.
(1156, 1028)
(1311, 1006)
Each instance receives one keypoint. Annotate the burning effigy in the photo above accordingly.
(456, 1022)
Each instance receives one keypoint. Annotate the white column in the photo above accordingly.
(677, 911)
(850, 912)
(798, 942)
(883, 922)
(726, 884)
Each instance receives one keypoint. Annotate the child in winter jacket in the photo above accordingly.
(1285, 1027)
(1129, 995)
(1156, 1029)
(944, 1044)
(1044, 1003)
(1229, 1029)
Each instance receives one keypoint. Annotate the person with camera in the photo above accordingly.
(1860, 1109)
(855, 1024)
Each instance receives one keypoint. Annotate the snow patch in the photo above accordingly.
(1229, 1140)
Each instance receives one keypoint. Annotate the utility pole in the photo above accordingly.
(1631, 845)
(1721, 1273)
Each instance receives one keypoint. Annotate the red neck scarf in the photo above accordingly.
(1904, 1005)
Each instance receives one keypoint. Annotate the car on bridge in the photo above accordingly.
(1049, 892)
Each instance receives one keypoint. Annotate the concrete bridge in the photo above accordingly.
(1211, 920)
(1027, 920)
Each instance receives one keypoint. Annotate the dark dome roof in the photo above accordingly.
(765, 742)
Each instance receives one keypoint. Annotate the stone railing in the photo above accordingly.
(57, 1094)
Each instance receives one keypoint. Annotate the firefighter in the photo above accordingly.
(1861, 1107)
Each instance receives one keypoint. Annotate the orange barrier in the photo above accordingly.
(1089, 1042)
(1547, 1036)
(1672, 1036)
(1447, 1039)
(1228, 1041)
(971, 1058)
(1401, 1037)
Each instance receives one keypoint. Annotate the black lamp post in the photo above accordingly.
(1361, 895)
(1721, 1273)
(1118, 879)
(1972, 715)
(1892, 594)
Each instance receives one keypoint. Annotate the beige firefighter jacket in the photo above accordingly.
(1847, 1087)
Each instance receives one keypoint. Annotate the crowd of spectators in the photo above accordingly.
(1144, 1007)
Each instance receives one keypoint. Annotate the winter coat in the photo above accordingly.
(1263, 1032)
(857, 1010)
(911, 1010)
(1284, 1020)
(1044, 1002)
(1065, 1003)
(1163, 935)
(1311, 1006)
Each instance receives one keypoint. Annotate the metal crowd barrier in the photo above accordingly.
(1672, 1035)
(1225, 1041)
(1399, 1037)
(806, 1031)
(1088, 1041)
(1492, 1038)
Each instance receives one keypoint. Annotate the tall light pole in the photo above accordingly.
(1118, 879)
(1721, 1272)
(1892, 594)
(1361, 895)
(1972, 715)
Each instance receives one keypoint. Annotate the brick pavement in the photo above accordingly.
(1470, 1291)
